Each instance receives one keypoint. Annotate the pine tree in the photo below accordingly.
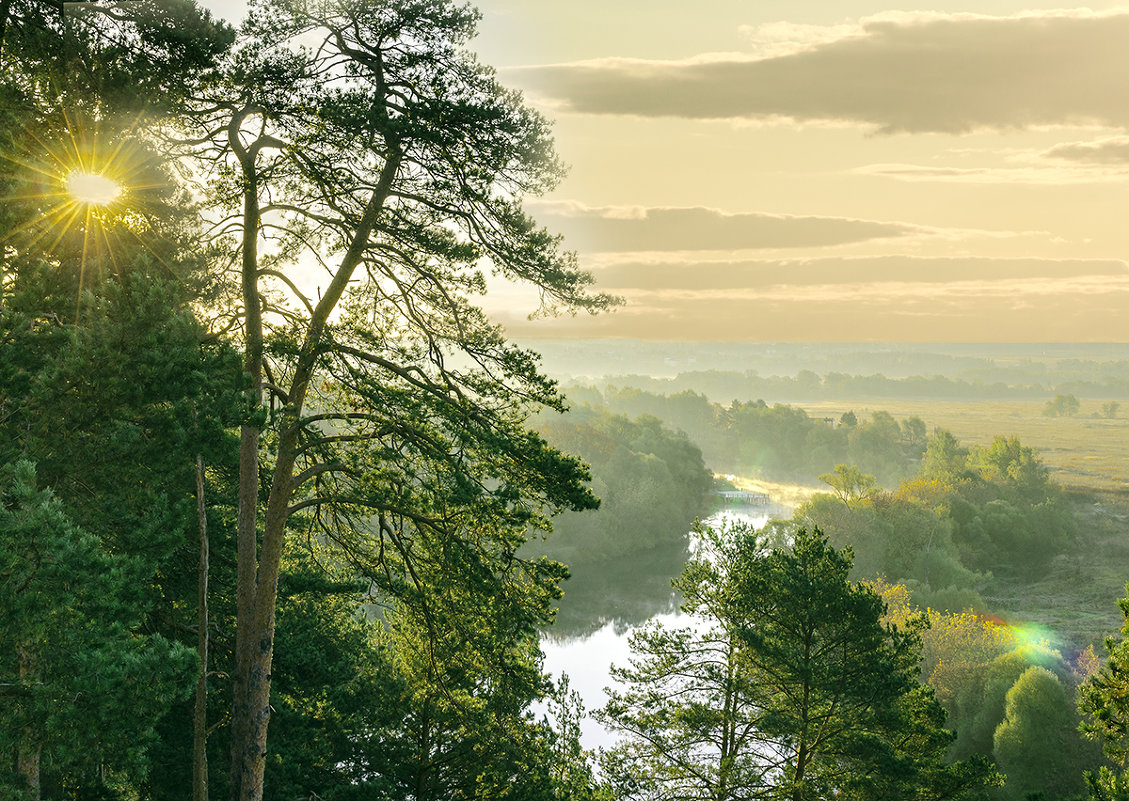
(786, 685)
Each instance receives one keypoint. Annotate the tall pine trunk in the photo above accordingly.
(200, 714)
(27, 757)
(246, 776)
(259, 568)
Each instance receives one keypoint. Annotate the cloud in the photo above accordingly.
(860, 277)
(771, 39)
(919, 72)
(1057, 175)
(1114, 150)
(618, 229)
(1063, 302)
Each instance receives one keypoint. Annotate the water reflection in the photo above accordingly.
(603, 603)
(622, 593)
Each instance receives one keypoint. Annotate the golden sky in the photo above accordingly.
(830, 170)
(836, 171)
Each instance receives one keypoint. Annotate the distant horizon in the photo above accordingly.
(844, 343)
(594, 358)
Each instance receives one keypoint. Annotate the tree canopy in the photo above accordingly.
(787, 685)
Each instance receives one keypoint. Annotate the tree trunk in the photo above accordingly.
(258, 572)
(246, 775)
(27, 757)
(200, 714)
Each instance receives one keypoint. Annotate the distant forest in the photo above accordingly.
(1034, 382)
(754, 438)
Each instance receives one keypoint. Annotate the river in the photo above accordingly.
(604, 604)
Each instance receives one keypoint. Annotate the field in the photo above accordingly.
(1075, 600)
(1082, 452)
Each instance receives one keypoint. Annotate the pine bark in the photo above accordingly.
(200, 713)
(258, 569)
(246, 782)
(27, 757)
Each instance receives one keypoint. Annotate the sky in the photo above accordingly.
(831, 171)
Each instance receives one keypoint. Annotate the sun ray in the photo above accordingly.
(86, 194)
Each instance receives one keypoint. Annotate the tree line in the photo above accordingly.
(1100, 380)
(777, 441)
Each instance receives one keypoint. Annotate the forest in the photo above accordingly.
(284, 515)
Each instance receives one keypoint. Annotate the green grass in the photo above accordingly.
(1076, 598)
(1081, 451)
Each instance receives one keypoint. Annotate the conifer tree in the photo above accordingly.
(787, 685)
(395, 162)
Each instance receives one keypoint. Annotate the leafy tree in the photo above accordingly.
(914, 438)
(651, 483)
(80, 89)
(1110, 409)
(1062, 406)
(850, 484)
(944, 459)
(1034, 743)
(1008, 462)
(878, 444)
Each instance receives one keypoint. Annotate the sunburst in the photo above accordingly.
(85, 191)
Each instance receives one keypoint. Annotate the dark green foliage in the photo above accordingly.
(1104, 703)
(115, 410)
(82, 683)
(144, 57)
(651, 484)
(421, 703)
(845, 697)
(790, 688)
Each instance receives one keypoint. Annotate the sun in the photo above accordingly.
(89, 196)
(92, 188)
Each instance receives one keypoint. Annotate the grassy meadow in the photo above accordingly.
(1082, 452)
(1075, 602)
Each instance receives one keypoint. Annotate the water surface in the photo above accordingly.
(604, 603)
